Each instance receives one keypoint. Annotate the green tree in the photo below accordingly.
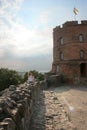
(25, 77)
(9, 77)
(39, 76)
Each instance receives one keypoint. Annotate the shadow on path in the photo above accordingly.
(38, 120)
(60, 89)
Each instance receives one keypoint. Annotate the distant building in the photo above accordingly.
(70, 50)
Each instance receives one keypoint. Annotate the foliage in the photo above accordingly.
(25, 77)
(48, 73)
(38, 76)
(9, 77)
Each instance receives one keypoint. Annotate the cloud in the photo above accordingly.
(1, 52)
(33, 63)
(44, 17)
(22, 48)
(10, 5)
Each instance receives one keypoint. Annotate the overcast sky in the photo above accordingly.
(26, 26)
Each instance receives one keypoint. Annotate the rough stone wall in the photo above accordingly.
(16, 106)
(71, 47)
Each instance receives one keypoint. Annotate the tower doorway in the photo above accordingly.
(83, 69)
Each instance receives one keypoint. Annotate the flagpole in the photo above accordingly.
(75, 17)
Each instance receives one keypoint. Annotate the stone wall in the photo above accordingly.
(16, 106)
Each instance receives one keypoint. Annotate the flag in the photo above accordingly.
(75, 10)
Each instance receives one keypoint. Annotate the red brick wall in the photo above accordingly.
(70, 70)
(71, 47)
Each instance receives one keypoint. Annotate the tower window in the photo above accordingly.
(81, 54)
(61, 41)
(61, 56)
(57, 68)
(81, 38)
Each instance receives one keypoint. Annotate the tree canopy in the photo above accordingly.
(9, 77)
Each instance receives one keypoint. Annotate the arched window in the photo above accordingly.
(61, 41)
(81, 39)
(61, 56)
(81, 54)
(57, 68)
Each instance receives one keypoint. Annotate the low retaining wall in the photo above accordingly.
(16, 106)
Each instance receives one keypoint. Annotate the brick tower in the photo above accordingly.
(70, 50)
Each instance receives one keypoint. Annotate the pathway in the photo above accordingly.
(49, 113)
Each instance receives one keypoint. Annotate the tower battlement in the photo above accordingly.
(70, 24)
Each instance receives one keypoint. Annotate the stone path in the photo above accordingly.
(49, 114)
(74, 100)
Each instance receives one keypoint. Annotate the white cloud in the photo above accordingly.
(18, 42)
(1, 52)
(33, 42)
(44, 17)
(10, 5)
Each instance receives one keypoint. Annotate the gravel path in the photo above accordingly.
(49, 113)
(74, 100)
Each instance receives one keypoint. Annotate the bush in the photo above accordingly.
(9, 77)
